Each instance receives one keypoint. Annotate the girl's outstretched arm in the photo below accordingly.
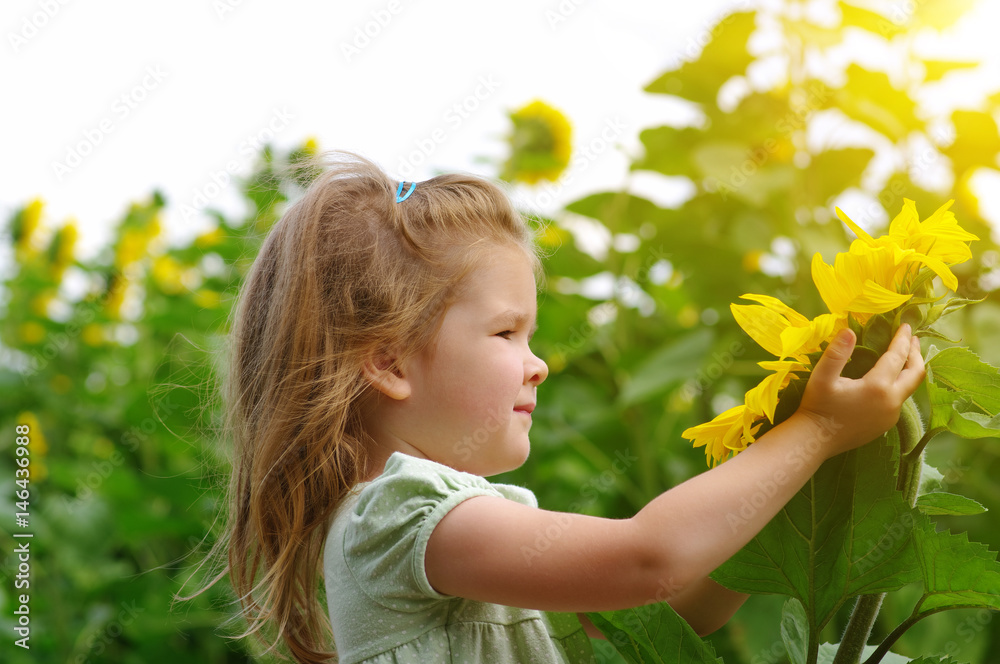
(496, 550)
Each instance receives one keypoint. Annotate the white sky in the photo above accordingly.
(206, 77)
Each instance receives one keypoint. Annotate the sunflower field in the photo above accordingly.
(818, 199)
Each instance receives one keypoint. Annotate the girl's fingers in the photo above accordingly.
(911, 377)
(835, 357)
(895, 358)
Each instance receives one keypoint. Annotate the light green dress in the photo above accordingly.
(382, 607)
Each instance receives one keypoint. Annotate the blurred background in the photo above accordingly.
(671, 160)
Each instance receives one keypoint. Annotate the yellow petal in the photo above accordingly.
(875, 299)
(797, 342)
(724, 428)
(750, 425)
(859, 281)
(717, 427)
(733, 440)
(939, 236)
(763, 399)
(800, 341)
(762, 324)
(906, 223)
(948, 277)
(776, 305)
(783, 365)
(831, 289)
(860, 232)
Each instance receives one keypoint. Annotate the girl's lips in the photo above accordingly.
(525, 408)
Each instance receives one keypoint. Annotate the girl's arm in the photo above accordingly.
(496, 550)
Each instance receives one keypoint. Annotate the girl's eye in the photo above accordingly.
(505, 334)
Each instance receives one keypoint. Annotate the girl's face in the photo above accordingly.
(473, 389)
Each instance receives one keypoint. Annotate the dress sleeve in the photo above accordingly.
(386, 538)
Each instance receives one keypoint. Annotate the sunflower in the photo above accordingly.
(541, 144)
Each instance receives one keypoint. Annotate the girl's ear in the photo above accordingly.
(387, 378)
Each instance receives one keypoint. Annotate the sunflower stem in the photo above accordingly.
(910, 428)
(862, 620)
(911, 450)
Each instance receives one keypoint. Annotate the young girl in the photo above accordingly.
(381, 369)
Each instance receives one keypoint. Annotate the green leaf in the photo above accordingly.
(969, 411)
(795, 631)
(956, 303)
(668, 150)
(764, 121)
(939, 502)
(718, 160)
(733, 169)
(771, 182)
(877, 334)
(564, 259)
(861, 362)
(605, 653)
(653, 634)
(870, 97)
(620, 211)
(964, 394)
(952, 305)
(957, 573)
(837, 170)
(931, 333)
(723, 57)
(930, 479)
(845, 533)
(676, 361)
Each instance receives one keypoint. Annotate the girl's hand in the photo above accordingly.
(858, 411)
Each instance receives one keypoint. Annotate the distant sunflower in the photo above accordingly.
(25, 223)
(300, 157)
(541, 144)
(63, 248)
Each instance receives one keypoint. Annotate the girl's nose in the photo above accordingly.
(535, 370)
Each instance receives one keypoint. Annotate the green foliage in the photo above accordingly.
(125, 472)
(653, 634)
(939, 503)
(957, 573)
(721, 59)
(830, 542)
(795, 631)
(964, 394)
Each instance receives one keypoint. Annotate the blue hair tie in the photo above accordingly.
(400, 189)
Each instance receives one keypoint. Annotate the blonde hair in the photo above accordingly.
(347, 272)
